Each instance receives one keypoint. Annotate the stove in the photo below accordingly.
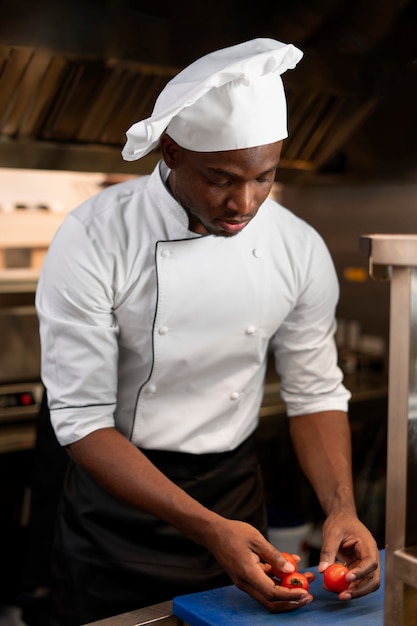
(20, 384)
(20, 401)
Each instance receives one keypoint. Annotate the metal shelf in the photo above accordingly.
(394, 258)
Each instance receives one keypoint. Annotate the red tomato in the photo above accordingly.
(288, 557)
(334, 577)
(295, 581)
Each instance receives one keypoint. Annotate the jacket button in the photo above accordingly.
(250, 330)
(166, 253)
(152, 389)
(257, 252)
(163, 330)
(234, 395)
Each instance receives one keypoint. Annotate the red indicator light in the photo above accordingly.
(26, 399)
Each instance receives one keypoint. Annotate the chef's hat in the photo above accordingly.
(229, 99)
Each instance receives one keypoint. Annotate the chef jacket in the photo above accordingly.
(164, 333)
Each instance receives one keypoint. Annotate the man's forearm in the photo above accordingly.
(322, 443)
(126, 473)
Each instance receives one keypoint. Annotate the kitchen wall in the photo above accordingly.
(341, 214)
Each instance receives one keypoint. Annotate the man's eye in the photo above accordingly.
(222, 183)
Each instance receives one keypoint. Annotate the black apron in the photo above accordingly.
(111, 558)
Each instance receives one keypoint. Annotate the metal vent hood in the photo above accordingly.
(74, 75)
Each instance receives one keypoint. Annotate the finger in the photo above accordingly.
(278, 562)
(366, 567)
(328, 555)
(361, 588)
(295, 601)
(310, 576)
(296, 557)
(265, 590)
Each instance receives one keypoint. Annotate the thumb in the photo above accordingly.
(328, 555)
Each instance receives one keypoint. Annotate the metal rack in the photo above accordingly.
(394, 258)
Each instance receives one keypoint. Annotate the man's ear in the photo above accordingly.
(171, 151)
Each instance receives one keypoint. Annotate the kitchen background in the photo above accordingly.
(74, 75)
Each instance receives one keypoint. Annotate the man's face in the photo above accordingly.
(220, 191)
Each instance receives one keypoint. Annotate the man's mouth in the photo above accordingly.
(232, 226)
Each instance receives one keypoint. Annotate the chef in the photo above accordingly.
(159, 301)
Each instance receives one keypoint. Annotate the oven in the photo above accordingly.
(20, 384)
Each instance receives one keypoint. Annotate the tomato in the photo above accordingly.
(288, 557)
(296, 580)
(334, 577)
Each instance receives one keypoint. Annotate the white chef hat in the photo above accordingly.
(226, 100)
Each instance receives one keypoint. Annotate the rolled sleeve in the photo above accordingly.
(78, 334)
(304, 346)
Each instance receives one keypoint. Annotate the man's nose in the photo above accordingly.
(243, 199)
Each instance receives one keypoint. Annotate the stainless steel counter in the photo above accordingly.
(156, 614)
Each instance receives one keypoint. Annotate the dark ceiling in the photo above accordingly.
(75, 74)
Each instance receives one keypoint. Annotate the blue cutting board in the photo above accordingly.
(228, 605)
